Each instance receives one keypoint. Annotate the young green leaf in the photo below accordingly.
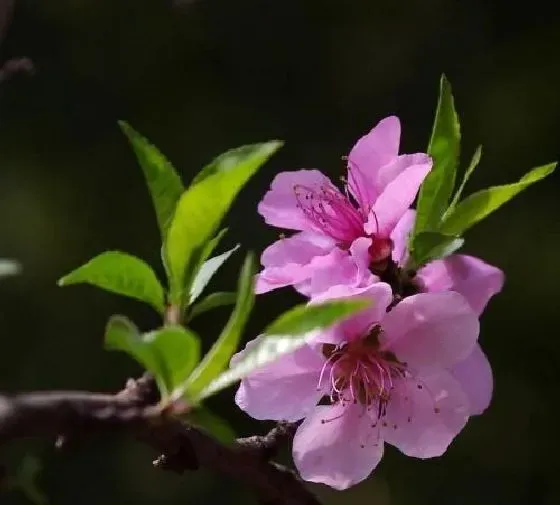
(289, 332)
(444, 149)
(220, 353)
(9, 267)
(198, 260)
(163, 182)
(121, 334)
(170, 353)
(477, 206)
(227, 161)
(200, 210)
(179, 351)
(430, 245)
(470, 169)
(210, 302)
(207, 271)
(120, 273)
(305, 317)
(205, 420)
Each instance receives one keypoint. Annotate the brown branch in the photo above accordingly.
(182, 447)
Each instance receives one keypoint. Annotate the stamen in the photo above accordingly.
(330, 211)
(361, 373)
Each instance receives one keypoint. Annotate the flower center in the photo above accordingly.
(379, 253)
(330, 211)
(360, 372)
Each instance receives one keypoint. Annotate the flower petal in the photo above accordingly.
(288, 261)
(400, 235)
(476, 280)
(373, 151)
(334, 268)
(339, 268)
(395, 199)
(280, 207)
(427, 419)
(474, 374)
(397, 166)
(337, 446)
(378, 147)
(431, 331)
(359, 252)
(358, 325)
(286, 389)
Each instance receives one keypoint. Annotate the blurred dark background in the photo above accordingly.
(199, 77)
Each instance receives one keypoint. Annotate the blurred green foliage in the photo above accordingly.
(197, 77)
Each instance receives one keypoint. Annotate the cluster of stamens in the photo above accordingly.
(337, 216)
(330, 211)
(360, 372)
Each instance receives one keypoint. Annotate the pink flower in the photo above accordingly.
(376, 377)
(477, 281)
(340, 234)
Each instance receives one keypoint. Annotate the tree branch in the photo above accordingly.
(183, 448)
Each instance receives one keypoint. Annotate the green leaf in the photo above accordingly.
(199, 258)
(289, 332)
(444, 149)
(170, 353)
(207, 271)
(305, 318)
(470, 169)
(207, 421)
(201, 209)
(477, 206)
(229, 160)
(210, 302)
(120, 273)
(9, 267)
(220, 353)
(163, 182)
(430, 245)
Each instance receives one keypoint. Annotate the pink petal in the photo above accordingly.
(287, 389)
(280, 208)
(359, 252)
(336, 267)
(374, 150)
(339, 268)
(389, 172)
(428, 419)
(400, 235)
(300, 248)
(288, 261)
(356, 326)
(431, 331)
(378, 147)
(474, 374)
(476, 280)
(395, 199)
(337, 446)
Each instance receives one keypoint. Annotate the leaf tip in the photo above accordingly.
(63, 281)
(123, 125)
(273, 145)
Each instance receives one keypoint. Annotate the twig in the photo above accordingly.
(182, 447)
